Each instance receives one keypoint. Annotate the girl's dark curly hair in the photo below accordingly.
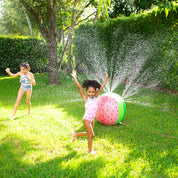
(25, 65)
(91, 83)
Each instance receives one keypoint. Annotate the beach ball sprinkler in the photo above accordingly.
(111, 109)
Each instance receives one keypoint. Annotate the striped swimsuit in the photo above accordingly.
(90, 109)
(25, 83)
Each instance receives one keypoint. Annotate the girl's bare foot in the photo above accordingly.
(93, 152)
(28, 113)
(12, 118)
(73, 137)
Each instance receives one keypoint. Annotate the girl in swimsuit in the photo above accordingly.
(93, 89)
(27, 80)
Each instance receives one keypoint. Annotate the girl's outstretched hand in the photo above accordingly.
(7, 70)
(74, 73)
(106, 75)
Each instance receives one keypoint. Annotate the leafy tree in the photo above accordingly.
(126, 7)
(14, 20)
(76, 17)
(77, 10)
(52, 18)
(166, 5)
(44, 15)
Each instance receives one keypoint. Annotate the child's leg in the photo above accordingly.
(80, 134)
(28, 96)
(89, 129)
(92, 124)
(83, 134)
(19, 97)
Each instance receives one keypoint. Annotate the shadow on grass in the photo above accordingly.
(9, 118)
(14, 151)
(148, 138)
(141, 136)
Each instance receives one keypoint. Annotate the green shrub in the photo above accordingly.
(115, 40)
(15, 50)
(170, 56)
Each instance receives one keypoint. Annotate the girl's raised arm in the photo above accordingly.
(102, 86)
(11, 74)
(74, 75)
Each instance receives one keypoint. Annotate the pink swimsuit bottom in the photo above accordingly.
(90, 109)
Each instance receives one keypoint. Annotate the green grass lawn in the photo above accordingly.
(39, 145)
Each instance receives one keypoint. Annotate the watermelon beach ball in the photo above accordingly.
(111, 109)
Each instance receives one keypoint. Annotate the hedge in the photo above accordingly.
(15, 50)
(146, 38)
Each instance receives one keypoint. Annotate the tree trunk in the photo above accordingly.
(53, 63)
(70, 38)
(70, 52)
(96, 16)
(47, 27)
(28, 21)
(51, 39)
(63, 52)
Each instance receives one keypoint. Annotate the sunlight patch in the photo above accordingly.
(138, 166)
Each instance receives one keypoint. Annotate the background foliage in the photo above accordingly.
(15, 50)
(117, 35)
(13, 20)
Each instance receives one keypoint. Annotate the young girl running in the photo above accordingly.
(27, 80)
(93, 89)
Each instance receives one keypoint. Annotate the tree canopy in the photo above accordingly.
(52, 18)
